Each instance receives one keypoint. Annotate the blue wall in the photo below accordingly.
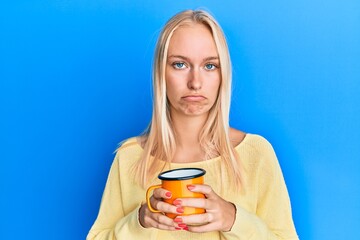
(75, 81)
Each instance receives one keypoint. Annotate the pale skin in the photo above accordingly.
(193, 77)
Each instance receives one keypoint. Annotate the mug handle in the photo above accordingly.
(150, 189)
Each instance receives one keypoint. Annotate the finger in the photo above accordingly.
(165, 207)
(161, 226)
(203, 228)
(198, 219)
(194, 202)
(161, 219)
(202, 188)
(162, 193)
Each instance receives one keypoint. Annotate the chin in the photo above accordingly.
(196, 112)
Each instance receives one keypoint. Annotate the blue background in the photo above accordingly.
(75, 81)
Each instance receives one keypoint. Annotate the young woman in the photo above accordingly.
(246, 197)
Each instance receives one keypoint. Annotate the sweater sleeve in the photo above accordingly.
(111, 222)
(273, 218)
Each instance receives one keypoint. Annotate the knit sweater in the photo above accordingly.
(263, 208)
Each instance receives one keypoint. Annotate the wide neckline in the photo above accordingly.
(247, 135)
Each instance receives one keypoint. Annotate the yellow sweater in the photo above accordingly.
(263, 206)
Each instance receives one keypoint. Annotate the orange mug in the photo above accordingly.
(176, 181)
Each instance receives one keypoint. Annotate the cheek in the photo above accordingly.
(171, 86)
(175, 81)
(214, 84)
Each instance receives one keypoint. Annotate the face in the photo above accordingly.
(192, 71)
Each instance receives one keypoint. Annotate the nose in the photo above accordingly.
(195, 81)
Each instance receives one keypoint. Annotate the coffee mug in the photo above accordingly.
(176, 181)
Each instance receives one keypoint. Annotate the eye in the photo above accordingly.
(210, 66)
(179, 65)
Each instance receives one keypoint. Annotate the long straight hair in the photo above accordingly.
(160, 141)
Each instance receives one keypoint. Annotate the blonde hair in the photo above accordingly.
(160, 143)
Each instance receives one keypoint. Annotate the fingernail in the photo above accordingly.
(186, 228)
(168, 194)
(180, 210)
(177, 228)
(177, 220)
(190, 187)
(182, 225)
(177, 202)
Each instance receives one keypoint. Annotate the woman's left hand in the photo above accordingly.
(219, 215)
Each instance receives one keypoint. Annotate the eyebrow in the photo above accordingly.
(187, 59)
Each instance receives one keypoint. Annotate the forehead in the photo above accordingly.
(193, 40)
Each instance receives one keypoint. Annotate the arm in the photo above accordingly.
(112, 222)
(273, 219)
(269, 219)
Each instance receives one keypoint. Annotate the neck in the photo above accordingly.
(187, 132)
(188, 129)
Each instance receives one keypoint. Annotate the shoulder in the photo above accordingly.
(236, 136)
(255, 150)
(257, 142)
(133, 141)
(128, 151)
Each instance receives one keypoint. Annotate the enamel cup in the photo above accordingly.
(176, 181)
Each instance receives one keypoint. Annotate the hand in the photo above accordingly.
(158, 220)
(219, 215)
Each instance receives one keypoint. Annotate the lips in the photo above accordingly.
(193, 98)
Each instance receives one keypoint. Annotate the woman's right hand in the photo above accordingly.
(159, 220)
